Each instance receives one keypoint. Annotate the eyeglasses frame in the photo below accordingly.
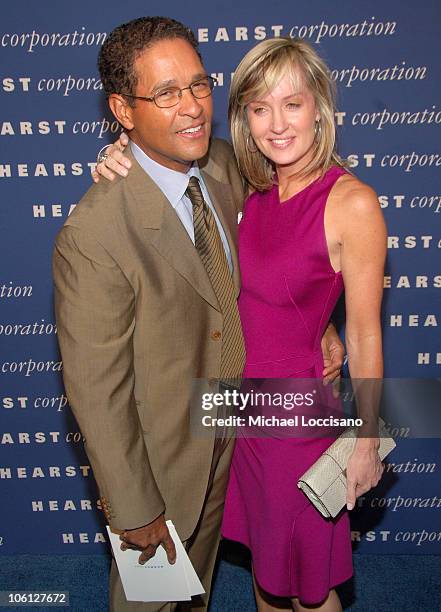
(181, 89)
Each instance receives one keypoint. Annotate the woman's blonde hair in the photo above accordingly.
(258, 73)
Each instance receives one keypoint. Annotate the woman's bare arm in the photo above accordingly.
(363, 242)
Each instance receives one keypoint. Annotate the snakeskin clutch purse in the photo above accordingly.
(324, 483)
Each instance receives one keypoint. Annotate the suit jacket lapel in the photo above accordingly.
(164, 230)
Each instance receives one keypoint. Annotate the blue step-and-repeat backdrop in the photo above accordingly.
(385, 59)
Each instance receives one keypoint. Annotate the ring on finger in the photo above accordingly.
(102, 154)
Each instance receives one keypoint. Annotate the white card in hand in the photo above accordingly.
(157, 580)
(194, 584)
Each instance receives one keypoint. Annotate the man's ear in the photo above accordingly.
(122, 111)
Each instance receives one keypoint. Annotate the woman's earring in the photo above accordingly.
(248, 145)
(318, 130)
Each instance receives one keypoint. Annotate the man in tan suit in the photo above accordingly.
(139, 315)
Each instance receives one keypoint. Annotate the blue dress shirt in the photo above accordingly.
(173, 185)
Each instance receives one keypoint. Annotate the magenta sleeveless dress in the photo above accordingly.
(289, 291)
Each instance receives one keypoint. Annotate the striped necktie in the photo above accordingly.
(212, 253)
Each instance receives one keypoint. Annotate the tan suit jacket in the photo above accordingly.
(137, 321)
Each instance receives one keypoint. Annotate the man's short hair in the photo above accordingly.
(116, 60)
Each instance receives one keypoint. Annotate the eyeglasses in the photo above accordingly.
(171, 96)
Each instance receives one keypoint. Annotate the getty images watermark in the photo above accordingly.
(307, 408)
(257, 409)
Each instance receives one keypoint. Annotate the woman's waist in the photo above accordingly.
(305, 363)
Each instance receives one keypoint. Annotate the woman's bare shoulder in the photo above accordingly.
(350, 194)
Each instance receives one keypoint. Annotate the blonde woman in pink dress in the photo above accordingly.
(309, 230)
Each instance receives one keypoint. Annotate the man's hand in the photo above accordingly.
(148, 538)
(333, 353)
(115, 163)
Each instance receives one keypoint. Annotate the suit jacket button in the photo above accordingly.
(216, 335)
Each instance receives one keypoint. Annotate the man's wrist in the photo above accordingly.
(146, 524)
